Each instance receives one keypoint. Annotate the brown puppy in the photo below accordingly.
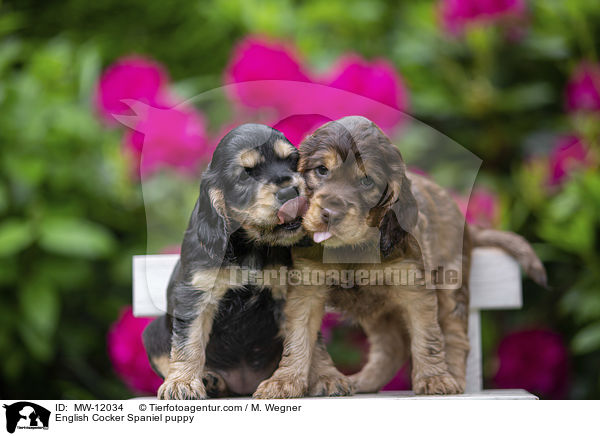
(395, 257)
(394, 232)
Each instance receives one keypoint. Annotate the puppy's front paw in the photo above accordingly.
(182, 389)
(280, 387)
(443, 384)
(461, 382)
(332, 385)
(360, 384)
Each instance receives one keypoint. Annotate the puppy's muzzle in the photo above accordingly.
(331, 213)
(333, 209)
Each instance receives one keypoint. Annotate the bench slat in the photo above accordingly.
(488, 394)
(495, 281)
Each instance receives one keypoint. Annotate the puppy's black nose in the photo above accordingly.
(286, 194)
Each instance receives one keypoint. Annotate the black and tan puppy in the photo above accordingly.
(405, 243)
(221, 333)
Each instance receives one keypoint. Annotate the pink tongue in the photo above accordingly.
(321, 236)
(292, 209)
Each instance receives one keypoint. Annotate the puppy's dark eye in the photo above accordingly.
(245, 174)
(322, 170)
(366, 182)
(293, 159)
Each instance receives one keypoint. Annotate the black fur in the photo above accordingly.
(246, 330)
(157, 340)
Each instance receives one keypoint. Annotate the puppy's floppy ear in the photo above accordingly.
(405, 205)
(207, 236)
(400, 218)
(402, 212)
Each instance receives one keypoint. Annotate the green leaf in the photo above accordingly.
(566, 204)
(575, 235)
(9, 273)
(66, 273)
(40, 306)
(3, 198)
(587, 339)
(15, 235)
(582, 301)
(591, 185)
(37, 342)
(526, 97)
(26, 169)
(76, 237)
(13, 364)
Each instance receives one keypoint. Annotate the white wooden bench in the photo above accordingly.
(495, 284)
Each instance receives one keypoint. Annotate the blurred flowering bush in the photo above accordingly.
(457, 15)
(259, 60)
(128, 355)
(536, 360)
(95, 105)
(131, 78)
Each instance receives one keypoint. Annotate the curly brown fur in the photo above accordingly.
(362, 197)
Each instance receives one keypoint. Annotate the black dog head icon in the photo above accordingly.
(31, 415)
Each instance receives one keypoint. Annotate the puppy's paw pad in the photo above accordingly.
(443, 384)
(280, 387)
(334, 385)
(179, 389)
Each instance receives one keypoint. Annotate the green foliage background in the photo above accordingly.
(71, 216)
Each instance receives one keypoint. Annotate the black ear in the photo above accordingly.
(207, 236)
(400, 218)
(391, 233)
(405, 206)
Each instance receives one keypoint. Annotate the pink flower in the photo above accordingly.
(297, 127)
(481, 208)
(568, 155)
(535, 360)
(134, 78)
(269, 75)
(127, 353)
(583, 89)
(377, 81)
(256, 59)
(457, 14)
(401, 381)
(172, 137)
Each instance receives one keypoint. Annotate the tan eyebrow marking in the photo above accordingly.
(283, 149)
(250, 158)
(331, 159)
